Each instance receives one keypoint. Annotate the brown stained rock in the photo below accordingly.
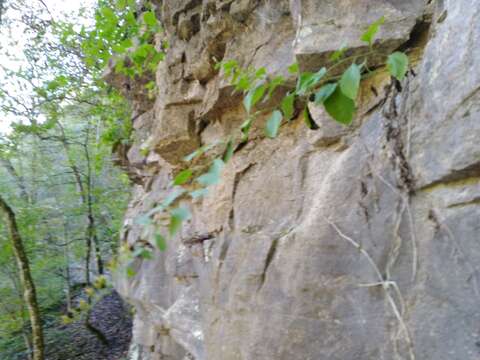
(188, 25)
(241, 9)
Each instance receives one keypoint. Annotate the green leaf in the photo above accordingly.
(260, 73)
(339, 53)
(201, 151)
(174, 195)
(325, 92)
(276, 82)
(198, 193)
(293, 69)
(150, 18)
(126, 43)
(273, 124)
(130, 19)
(253, 97)
(142, 253)
(227, 155)
(182, 177)
(143, 50)
(245, 128)
(340, 107)
(109, 15)
(208, 179)
(177, 217)
(121, 4)
(130, 272)
(307, 118)
(350, 81)
(62, 80)
(160, 242)
(308, 80)
(397, 65)
(229, 67)
(371, 31)
(159, 56)
(287, 106)
(217, 166)
(53, 85)
(243, 83)
(212, 177)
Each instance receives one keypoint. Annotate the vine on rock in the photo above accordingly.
(337, 93)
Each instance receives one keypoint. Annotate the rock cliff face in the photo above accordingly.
(346, 243)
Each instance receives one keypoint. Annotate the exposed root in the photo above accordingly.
(387, 285)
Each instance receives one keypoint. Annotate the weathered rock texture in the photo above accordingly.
(307, 227)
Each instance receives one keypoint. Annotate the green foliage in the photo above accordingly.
(308, 80)
(350, 82)
(369, 35)
(340, 107)
(177, 217)
(288, 106)
(228, 153)
(273, 124)
(254, 96)
(212, 177)
(121, 35)
(182, 177)
(160, 242)
(324, 93)
(397, 64)
(337, 93)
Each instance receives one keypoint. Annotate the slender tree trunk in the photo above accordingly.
(98, 255)
(88, 253)
(85, 190)
(89, 198)
(29, 292)
(68, 278)
(28, 344)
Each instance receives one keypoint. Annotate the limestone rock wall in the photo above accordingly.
(341, 243)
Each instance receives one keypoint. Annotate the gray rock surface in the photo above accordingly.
(282, 276)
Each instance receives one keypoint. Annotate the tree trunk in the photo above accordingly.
(85, 190)
(91, 217)
(88, 252)
(29, 292)
(98, 255)
(68, 279)
(28, 344)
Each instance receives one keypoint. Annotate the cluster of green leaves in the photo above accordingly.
(120, 33)
(337, 93)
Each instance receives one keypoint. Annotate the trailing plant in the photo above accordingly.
(337, 93)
